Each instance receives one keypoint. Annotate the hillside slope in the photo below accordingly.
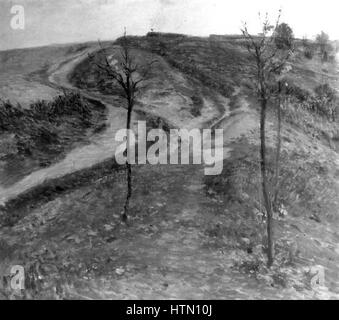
(191, 236)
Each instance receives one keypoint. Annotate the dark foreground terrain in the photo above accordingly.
(190, 236)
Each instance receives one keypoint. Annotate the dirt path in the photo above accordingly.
(177, 261)
(178, 264)
(170, 257)
(166, 255)
(101, 147)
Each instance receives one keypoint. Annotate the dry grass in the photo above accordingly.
(38, 136)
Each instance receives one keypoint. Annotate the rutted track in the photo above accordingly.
(102, 145)
(177, 264)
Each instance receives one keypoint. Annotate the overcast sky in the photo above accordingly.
(60, 21)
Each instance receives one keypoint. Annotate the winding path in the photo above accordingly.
(102, 145)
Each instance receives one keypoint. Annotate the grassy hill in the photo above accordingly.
(190, 236)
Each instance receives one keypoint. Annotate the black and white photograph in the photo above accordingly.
(162, 150)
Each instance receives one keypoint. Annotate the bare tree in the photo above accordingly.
(129, 76)
(269, 60)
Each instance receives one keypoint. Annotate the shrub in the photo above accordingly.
(324, 45)
(309, 48)
(300, 94)
(322, 102)
(10, 115)
(63, 105)
(283, 36)
(197, 106)
(308, 53)
(325, 91)
(41, 126)
(325, 101)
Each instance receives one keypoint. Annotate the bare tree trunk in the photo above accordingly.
(277, 158)
(129, 77)
(270, 61)
(267, 200)
(129, 192)
(124, 216)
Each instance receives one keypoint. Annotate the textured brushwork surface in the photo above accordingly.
(189, 236)
(174, 248)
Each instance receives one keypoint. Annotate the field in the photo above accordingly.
(190, 236)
